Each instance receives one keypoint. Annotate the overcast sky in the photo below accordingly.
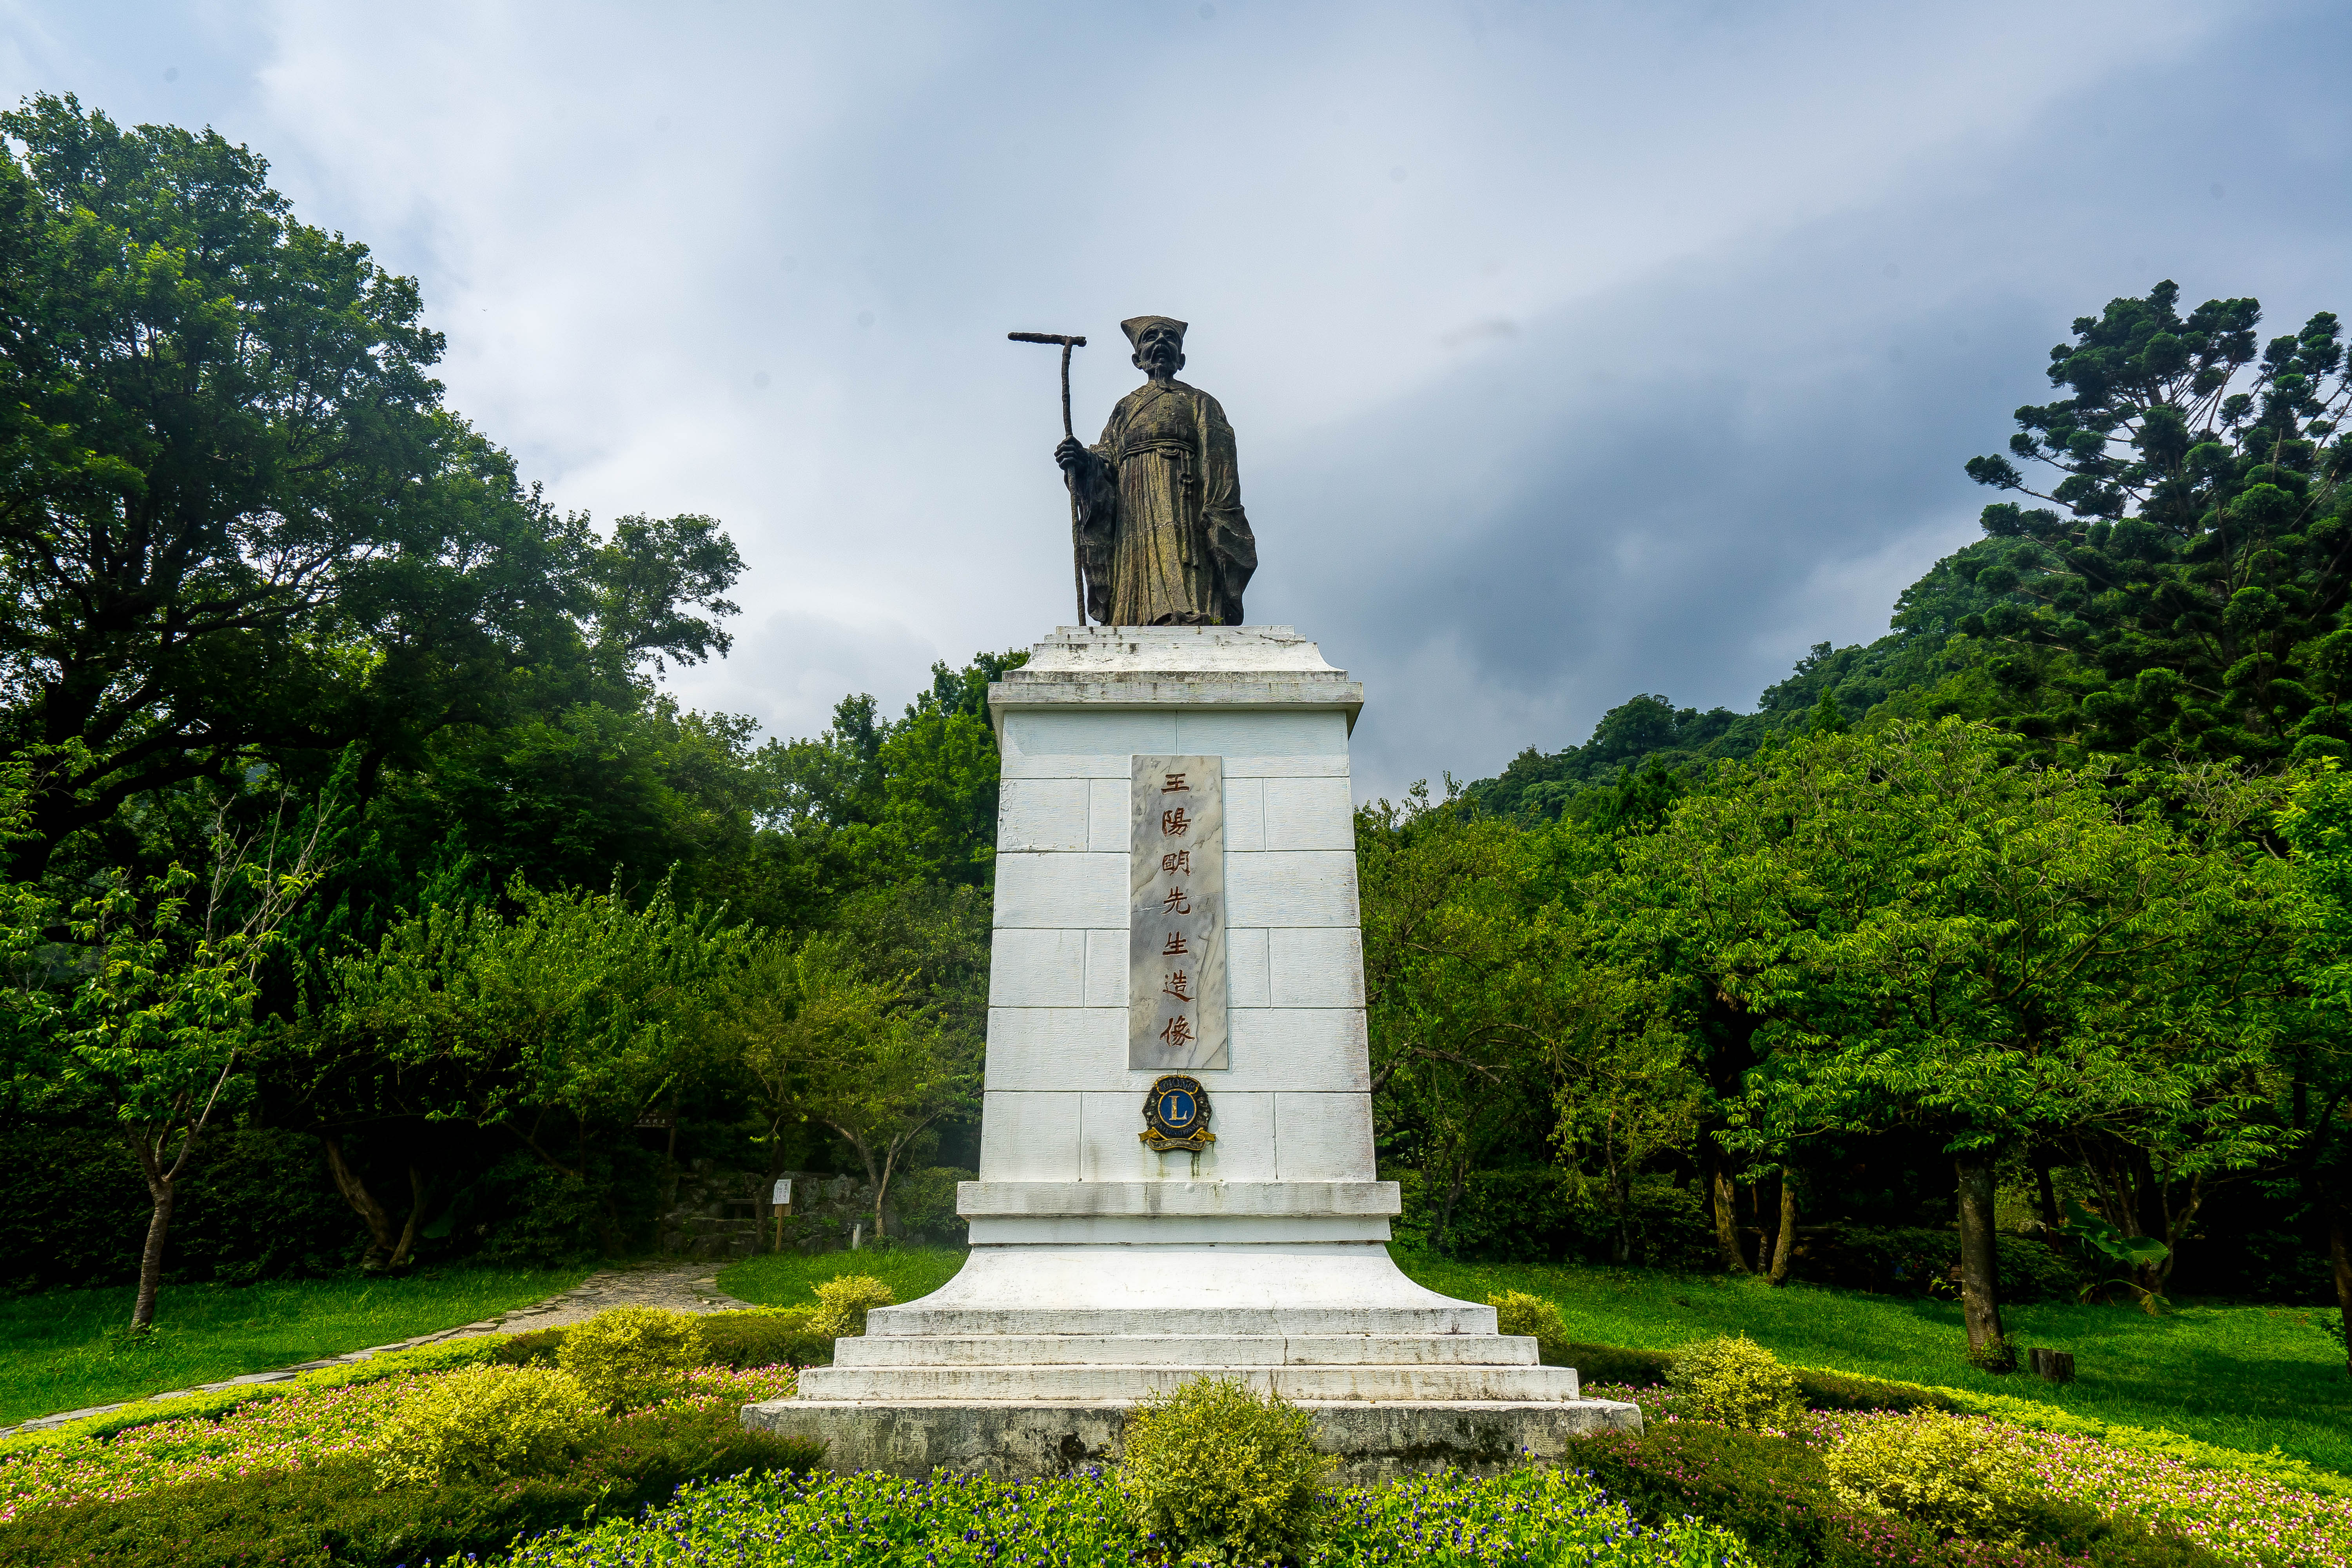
(1574, 351)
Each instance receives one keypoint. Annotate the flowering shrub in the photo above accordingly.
(2239, 1517)
(302, 1428)
(2247, 1519)
(1546, 1516)
(843, 1303)
(1223, 1474)
(1956, 1477)
(1550, 1515)
(331, 1511)
(484, 1421)
(446, 1356)
(631, 1355)
(1734, 1380)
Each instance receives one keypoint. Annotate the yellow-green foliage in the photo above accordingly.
(1517, 1312)
(1953, 1476)
(1734, 1380)
(485, 1421)
(843, 1303)
(632, 1355)
(1222, 1475)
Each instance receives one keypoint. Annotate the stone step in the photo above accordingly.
(1185, 1350)
(1514, 1384)
(1460, 1318)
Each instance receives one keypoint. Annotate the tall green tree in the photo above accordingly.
(821, 1039)
(2182, 592)
(555, 1016)
(236, 517)
(2317, 1103)
(1497, 1023)
(881, 803)
(1455, 1070)
(1927, 938)
(144, 1017)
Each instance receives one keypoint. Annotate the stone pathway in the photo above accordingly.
(681, 1286)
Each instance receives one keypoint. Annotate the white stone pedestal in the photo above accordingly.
(1099, 1270)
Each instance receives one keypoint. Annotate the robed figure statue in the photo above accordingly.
(1161, 533)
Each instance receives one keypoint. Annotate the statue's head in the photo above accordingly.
(1158, 344)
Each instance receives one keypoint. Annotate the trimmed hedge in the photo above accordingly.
(331, 1513)
(1775, 1493)
(738, 1340)
(1821, 1389)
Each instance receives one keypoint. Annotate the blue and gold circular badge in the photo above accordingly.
(1176, 1115)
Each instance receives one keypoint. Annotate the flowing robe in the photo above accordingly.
(1161, 525)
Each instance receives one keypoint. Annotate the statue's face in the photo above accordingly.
(1159, 351)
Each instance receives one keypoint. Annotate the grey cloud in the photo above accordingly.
(1693, 451)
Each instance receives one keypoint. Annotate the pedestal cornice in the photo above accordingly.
(1266, 668)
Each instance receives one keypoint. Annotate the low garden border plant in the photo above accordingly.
(336, 1511)
(2235, 1515)
(1524, 1516)
(1776, 1494)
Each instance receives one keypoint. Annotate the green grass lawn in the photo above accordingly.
(2243, 1377)
(62, 1350)
(790, 1278)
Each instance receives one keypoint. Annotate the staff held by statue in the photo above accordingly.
(1077, 546)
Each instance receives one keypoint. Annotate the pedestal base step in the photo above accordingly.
(1022, 1441)
(872, 1349)
(1436, 1382)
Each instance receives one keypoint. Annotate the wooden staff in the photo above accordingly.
(1077, 549)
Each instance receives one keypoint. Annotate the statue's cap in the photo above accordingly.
(1134, 327)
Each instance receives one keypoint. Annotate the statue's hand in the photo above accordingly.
(1070, 453)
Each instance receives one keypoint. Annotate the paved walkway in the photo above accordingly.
(681, 1286)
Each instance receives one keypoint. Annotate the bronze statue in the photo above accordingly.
(1161, 535)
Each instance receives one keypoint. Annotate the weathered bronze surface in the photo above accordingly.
(1161, 535)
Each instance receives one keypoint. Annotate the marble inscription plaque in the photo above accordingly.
(1176, 915)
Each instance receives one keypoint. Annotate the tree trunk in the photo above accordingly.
(1723, 1200)
(1621, 1189)
(1979, 1259)
(881, 1190)
(382, 1243)
(769, 1223)
(160, 1193)
(2045, 1192)
(1787, 1245)
(408, 1248)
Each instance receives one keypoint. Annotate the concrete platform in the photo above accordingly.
(1015, 1442)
